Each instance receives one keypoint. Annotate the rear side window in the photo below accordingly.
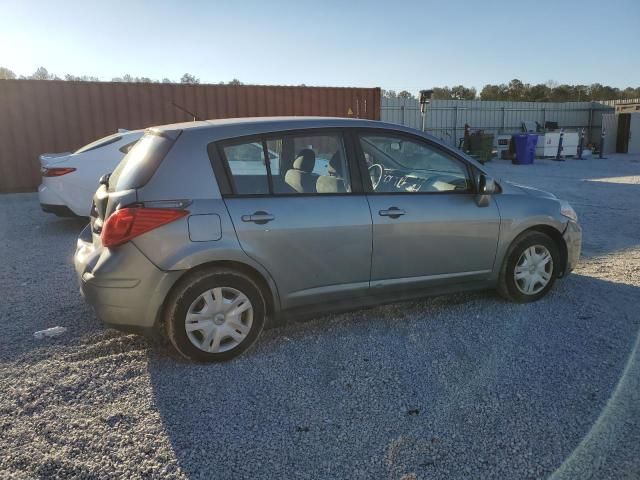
(102, 142)
(314, 163)
(288, 164)
(248, 168)
(138, 166)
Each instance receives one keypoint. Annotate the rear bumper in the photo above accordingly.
(47, 196)
(573, 239)
(124, 288)
(50, 201)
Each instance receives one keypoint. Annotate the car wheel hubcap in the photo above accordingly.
(219, 319)
(534, 270)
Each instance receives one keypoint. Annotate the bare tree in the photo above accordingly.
(84, 78)
(6, 74)
(42, 74)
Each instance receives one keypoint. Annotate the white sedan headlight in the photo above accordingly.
(568, 211)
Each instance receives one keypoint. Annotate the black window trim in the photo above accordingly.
(373, 131)
(128, 146)
(224, 177)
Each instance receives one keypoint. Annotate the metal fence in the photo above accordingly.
(613, 103)
(446, 119)
(38, 116)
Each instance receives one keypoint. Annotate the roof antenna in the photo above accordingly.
(195, 117)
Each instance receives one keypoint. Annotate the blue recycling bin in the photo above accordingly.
(525, 148)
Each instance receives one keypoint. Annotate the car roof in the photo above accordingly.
(219, 129)
(275, 122)
(230, 127)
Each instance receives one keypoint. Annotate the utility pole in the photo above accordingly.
(425, 98)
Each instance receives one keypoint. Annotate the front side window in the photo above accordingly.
(397, 164)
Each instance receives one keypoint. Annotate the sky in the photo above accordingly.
(390, 44)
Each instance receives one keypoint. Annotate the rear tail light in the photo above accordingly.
(56, 172)
(128, 223)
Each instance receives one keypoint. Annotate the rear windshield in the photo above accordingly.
(137, 166)
(102, 142)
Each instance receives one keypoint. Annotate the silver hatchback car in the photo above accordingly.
(208, 229)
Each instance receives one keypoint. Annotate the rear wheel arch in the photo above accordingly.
(270, 296)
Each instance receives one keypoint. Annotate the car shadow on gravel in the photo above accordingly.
(453, 386)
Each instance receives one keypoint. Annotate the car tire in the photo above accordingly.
(518, 286)
(199, 316)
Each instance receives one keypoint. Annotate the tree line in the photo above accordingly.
(43, 74)
(517, 91)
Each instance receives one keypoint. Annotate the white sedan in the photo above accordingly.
(69, 180)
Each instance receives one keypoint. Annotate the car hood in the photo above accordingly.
(516, 188)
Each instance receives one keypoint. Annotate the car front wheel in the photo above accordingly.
(214, 315)
(530, 268)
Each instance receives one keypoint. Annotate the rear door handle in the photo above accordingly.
(393, 212)
(258, 217)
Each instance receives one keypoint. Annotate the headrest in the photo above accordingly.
(335, 165)
(305, 161)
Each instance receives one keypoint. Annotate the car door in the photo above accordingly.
(316, 245)
(427, 227)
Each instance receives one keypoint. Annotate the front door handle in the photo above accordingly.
(393, 212)
(258, 217)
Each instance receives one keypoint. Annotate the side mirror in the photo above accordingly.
(486, 187)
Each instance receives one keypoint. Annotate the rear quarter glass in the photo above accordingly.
(139, 165)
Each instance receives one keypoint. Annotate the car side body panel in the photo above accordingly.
(313, 261)
(519, 213)
(439, 237)
(170, 247)
(317, 248)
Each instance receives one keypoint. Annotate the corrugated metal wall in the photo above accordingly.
(38, 116)
(445, 119)
(613, 103)
(610, 129)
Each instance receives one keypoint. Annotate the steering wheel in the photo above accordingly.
(375, 179)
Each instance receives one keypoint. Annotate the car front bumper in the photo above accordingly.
(573, 238)
(124, 288)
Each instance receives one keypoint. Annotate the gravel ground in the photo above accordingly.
(459, 386)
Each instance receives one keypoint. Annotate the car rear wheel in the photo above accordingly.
(530, 268)
(214, 315)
